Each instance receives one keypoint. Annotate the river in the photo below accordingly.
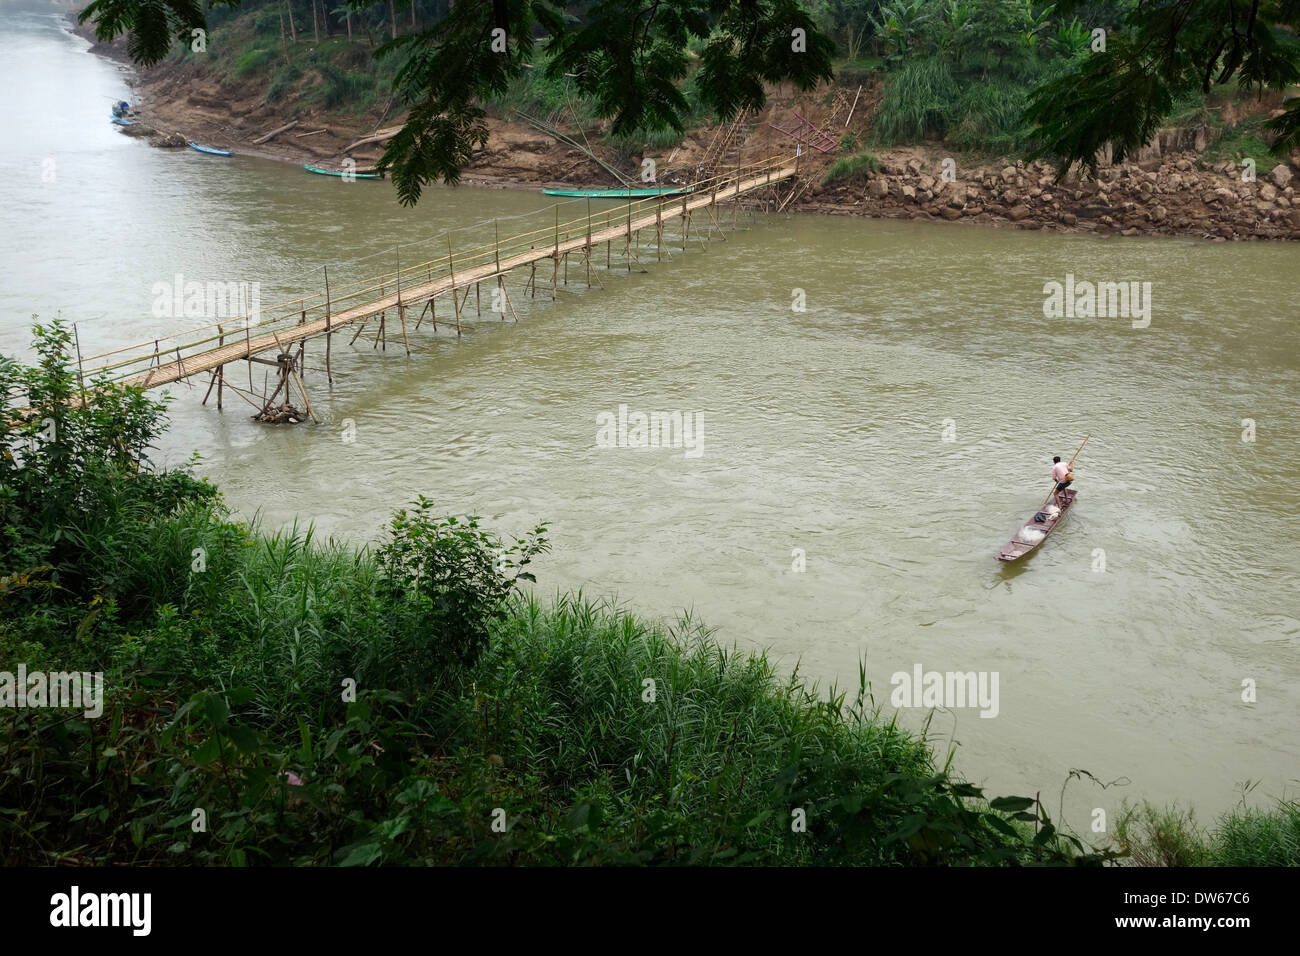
(1121, 648)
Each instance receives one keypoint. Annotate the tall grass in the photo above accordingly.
(1170, 836)
(663, 731)
(988, 115)
(850, 170)
(917, 102)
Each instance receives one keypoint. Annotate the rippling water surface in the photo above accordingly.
(823, 431)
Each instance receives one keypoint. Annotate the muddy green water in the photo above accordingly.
(823, 431)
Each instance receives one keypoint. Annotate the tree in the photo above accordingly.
(630, 56)
(1163, 50)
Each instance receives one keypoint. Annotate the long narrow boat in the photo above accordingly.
(122, 121)
(209, 150)
(617, 193)
(1034, 532)
(340, 173)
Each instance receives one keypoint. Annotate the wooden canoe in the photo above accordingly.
(1017, 549)
(339, 173)
(617, 193)
(209, 150)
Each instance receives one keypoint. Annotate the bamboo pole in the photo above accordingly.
(81, 373)
(221, 373)
(329, 330)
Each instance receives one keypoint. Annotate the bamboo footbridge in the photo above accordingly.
(180, 356)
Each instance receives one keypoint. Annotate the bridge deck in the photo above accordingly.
(250, 345)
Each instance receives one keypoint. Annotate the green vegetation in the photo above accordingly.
(962, 70)
(1160, 54)
(1246, 139)
(631, 60)
(851, 170)
(272, 699)
(335, 74)
(229, 655)
(1170, 836)
(988, 77)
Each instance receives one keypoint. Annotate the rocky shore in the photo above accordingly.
(1156, 195)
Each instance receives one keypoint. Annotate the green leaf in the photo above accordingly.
(1009, 804)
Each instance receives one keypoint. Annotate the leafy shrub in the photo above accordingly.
(81, 512)
(254, 60)
(448, 581)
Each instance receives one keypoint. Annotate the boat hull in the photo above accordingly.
(339, 173)
(209, 150)
(616, 193)
(1017, 549)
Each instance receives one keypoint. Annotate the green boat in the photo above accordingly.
(340, 174)
(617, 193)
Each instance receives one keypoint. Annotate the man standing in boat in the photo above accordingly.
(1063, 477)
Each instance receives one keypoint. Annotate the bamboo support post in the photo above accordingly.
(329, 332)
(81, 372)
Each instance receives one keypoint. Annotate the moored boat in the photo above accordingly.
(209, 150)
(340, 173)
(122, 121)
(617, 193)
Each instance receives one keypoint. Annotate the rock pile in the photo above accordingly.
(1156, 195)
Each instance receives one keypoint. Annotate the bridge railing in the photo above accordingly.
(280, 319)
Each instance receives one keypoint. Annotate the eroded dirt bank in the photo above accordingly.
(1168, 189)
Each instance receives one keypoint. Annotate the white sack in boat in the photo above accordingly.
(1051, 511)
(1031, 535)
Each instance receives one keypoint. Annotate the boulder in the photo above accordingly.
(949, 213)
(1008, 174)
(909, 193)
(1158, 214)
(1019, 212)
(926, 182)
(167, 140)
(1267, 192)
(914, 166)
(1281, 176)
(878, 188)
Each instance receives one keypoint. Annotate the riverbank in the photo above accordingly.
(1179, 185)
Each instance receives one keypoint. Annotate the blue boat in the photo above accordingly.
(209, 150)
(120, 121)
